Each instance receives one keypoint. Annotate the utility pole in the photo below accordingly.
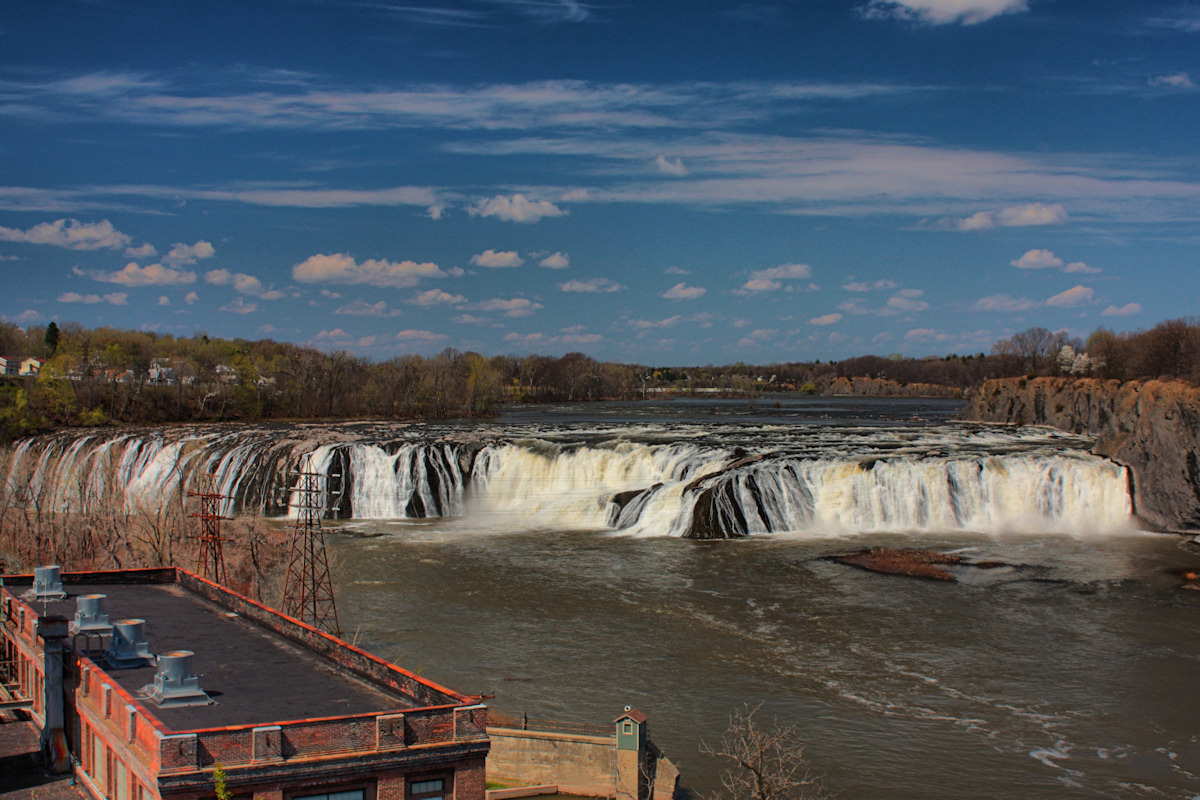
(210, 561)
(308, 588)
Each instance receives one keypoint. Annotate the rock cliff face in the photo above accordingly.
(1152, 427)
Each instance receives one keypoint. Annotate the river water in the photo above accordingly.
(548, 557)
(1070, 673)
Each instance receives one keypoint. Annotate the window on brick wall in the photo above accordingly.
(344, 794)
(427, 789)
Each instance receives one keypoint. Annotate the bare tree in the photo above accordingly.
(768, 760)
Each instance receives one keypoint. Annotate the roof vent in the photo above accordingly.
(47, 584)
(175, 684)
(129, 648)
(90, 616)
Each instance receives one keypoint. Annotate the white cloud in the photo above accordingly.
(927, 335)
(71, 234)
(115, 298)
(517, 208)
(942, 12)
(163, 300)
(979, 221)
(516, 307)
(240, 281)
(646, 324)
(666, 166)
(1179, 80)
(435, 211)
(191, 298)
(189, 253)
(1075, 296)
(414, 335)
(1022, 216)
(1004, 302)
(470, 319)
(905, 301)
(336, 333)
(361, 308)
(1032, 214)
(149, 275)
(1044, 259)
(676, 271)
(1129, 309)
(436, 297)
(555, 261)
(341, 268)
(239, 306)
(492, 258)
(863, 286)
(1037, 259)
(27, 316)
(274, 294)
(681, 291)
(147, 250)
(592, 286)
(770, 280)
(825, 319)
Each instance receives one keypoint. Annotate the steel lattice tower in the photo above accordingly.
(308, 588)
(210, 560)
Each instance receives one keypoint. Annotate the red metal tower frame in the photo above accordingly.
(308, 587)
(210, 560)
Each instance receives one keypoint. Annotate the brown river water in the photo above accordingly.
(1072, 672)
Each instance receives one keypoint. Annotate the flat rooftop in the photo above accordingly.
(255, 676)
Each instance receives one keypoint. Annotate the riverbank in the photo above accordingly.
(1152, 427)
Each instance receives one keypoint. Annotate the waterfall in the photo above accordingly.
(647, 481)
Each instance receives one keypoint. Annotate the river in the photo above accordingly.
(1066, 673)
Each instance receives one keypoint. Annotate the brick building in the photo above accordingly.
(287, 711)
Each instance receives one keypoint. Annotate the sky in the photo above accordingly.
(644, 181)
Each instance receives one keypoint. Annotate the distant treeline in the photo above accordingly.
(93, 376)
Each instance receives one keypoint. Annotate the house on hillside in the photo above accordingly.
(9, 366)
(32, 367)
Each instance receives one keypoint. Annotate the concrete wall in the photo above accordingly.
(583, 765)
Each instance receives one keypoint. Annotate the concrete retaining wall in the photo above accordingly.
(583, 765)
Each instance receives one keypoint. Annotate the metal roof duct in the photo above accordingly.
(175, 684)
(47, 584)
(129, 648)
(90, 616)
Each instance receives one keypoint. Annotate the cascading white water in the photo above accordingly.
(680, 481)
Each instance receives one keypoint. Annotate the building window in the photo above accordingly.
(628, 729)
(344, 794)
(427, 789)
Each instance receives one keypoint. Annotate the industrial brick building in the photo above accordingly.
(165, 676)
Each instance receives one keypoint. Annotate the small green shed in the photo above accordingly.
(631, 730)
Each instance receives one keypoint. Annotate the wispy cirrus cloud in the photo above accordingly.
(943, 12)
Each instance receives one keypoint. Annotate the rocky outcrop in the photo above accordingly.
(1152, 427)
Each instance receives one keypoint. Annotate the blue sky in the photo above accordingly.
(659, 182)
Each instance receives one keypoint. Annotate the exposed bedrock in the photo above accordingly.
(1151, 427)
